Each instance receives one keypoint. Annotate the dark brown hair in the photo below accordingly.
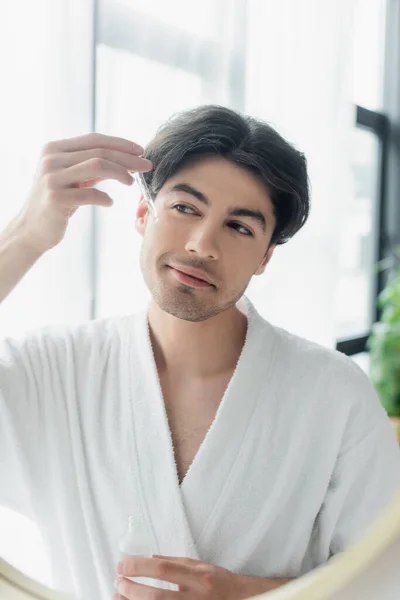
(245, 141)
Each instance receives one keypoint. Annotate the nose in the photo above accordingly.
(203, 242)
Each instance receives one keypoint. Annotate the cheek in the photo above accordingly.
(168, 235)
(173, 225)
(161, 237)
(244, 259)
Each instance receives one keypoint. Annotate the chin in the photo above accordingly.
(185, 306)
(190, 314)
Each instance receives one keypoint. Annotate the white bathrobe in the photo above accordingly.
(299, 459)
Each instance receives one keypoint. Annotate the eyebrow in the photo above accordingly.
(254, 214)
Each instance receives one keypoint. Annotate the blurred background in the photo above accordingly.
(324, 73)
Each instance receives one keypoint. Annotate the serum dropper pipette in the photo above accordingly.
(144, 188)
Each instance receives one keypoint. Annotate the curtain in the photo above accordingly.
(46, 66)
(306, 94)
(287, 62)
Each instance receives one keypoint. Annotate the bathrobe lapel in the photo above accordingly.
(212, 476)
(181, 515)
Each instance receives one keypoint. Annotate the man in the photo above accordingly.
(250, 454)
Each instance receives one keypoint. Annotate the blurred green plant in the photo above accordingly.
(384, 341)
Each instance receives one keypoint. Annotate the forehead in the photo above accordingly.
(218, 178)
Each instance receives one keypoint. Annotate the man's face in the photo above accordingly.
(215, 221)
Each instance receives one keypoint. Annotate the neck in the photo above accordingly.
(204, 349)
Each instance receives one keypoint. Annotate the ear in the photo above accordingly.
(265, 261)
(141, 215)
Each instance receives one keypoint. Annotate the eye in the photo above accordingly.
(184, 208)
(241, 229)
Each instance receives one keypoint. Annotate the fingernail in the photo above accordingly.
(120, 566)
(137, 149)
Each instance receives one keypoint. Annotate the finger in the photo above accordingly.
(71, 198)
(165, 570)
(138, 591)
(62, 160)
(95, 168)
(90, 183)
(182, 559)
(94, 140)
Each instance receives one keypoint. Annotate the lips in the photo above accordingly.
(197, 273)
(192, 272)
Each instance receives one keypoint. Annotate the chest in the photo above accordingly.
(191, 407)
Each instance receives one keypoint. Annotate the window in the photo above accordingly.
(356, 292)
(364, 239)
(368, 54)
